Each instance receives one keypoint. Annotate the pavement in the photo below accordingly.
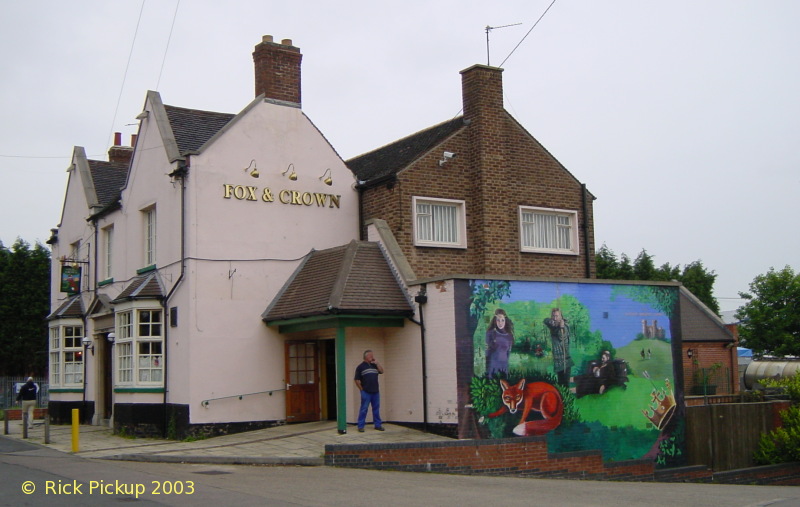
(291, 444)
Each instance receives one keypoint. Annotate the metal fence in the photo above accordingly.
(9, 387)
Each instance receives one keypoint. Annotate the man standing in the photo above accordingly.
(27, 393)
(366, 380)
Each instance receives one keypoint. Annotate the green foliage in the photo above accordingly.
(670, 449)
(24, 305)
(694, 276)
(790, 385)
(664, 299)
(616, 443)
(770, 319)
(781, 445)
(703, 376)
(487, 293)
(484, 395)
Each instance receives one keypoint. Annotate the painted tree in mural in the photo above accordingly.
(771, 316)
(24, 305)
(694, 276)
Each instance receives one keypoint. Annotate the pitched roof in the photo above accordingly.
(108, 179)
(353, 279)
(100, 306)
(142, 287)
(192, 127)
(394, 157)
(71, 308)
(699, 323)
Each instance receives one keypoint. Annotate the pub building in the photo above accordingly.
(226, 272)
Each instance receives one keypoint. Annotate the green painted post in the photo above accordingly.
(341, 382)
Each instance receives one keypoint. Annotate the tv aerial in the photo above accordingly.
(489, 29)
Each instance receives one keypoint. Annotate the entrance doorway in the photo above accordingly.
(302, 387)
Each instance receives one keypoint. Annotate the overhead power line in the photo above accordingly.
(125, 75)
(529, 32)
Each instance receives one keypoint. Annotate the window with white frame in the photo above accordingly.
(75, 250)
(440, 223)
(108, 242)
(55, 356)
(66, 355)
(139, 347)
(124, 347)
(548, 230)
(149, 236)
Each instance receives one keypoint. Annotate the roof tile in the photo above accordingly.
(353, 279)
(192, 127)
(147, 286)
(398, 155)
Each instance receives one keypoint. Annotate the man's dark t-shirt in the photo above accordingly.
(368, 375)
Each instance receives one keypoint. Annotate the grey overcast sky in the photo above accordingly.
(681, 117)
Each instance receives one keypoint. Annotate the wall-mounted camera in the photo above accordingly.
(446, 156)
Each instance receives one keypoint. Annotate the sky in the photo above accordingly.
(682, 117)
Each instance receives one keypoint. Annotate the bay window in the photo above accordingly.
(139, 348)
(66, 355)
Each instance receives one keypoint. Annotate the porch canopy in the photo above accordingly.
(352, 285)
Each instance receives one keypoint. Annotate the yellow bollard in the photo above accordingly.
(75, 429)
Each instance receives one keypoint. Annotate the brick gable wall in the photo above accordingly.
(532, 177)
(499, 166)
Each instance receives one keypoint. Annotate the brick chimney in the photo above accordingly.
(481, 90)
(277, 70)
(482, 95)
(118, 153)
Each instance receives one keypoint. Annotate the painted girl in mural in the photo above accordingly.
(559, 334)
(499, 340)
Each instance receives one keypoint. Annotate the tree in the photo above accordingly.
(770, 319)
(24, 306)
(694, 276)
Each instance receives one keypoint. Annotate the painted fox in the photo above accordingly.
(539, 396)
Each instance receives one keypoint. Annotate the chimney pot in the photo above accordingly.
(117, 138)
(286, 42)
(133, 139)
(266, 38)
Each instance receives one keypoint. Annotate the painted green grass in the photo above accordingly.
(659, 366)
(618, 407)
(616, 444)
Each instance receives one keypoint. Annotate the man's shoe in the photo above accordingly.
(361, 430)
(380, 428)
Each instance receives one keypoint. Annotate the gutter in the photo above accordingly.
(421, 298)
(588, 264)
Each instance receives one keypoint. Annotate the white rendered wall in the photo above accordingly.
(242, 252)
(441, 353)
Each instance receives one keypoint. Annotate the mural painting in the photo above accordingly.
(590, 366)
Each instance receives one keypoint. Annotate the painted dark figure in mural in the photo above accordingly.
(499, 340)
(540, 397)
(601, 375)
(560, 336)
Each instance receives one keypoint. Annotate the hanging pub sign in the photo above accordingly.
(70, 279)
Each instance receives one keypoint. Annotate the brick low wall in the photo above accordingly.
(528, 457)
(521, 457)
(784, 474)
(15, 414)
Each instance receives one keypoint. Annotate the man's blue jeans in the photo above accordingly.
(366, 400)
